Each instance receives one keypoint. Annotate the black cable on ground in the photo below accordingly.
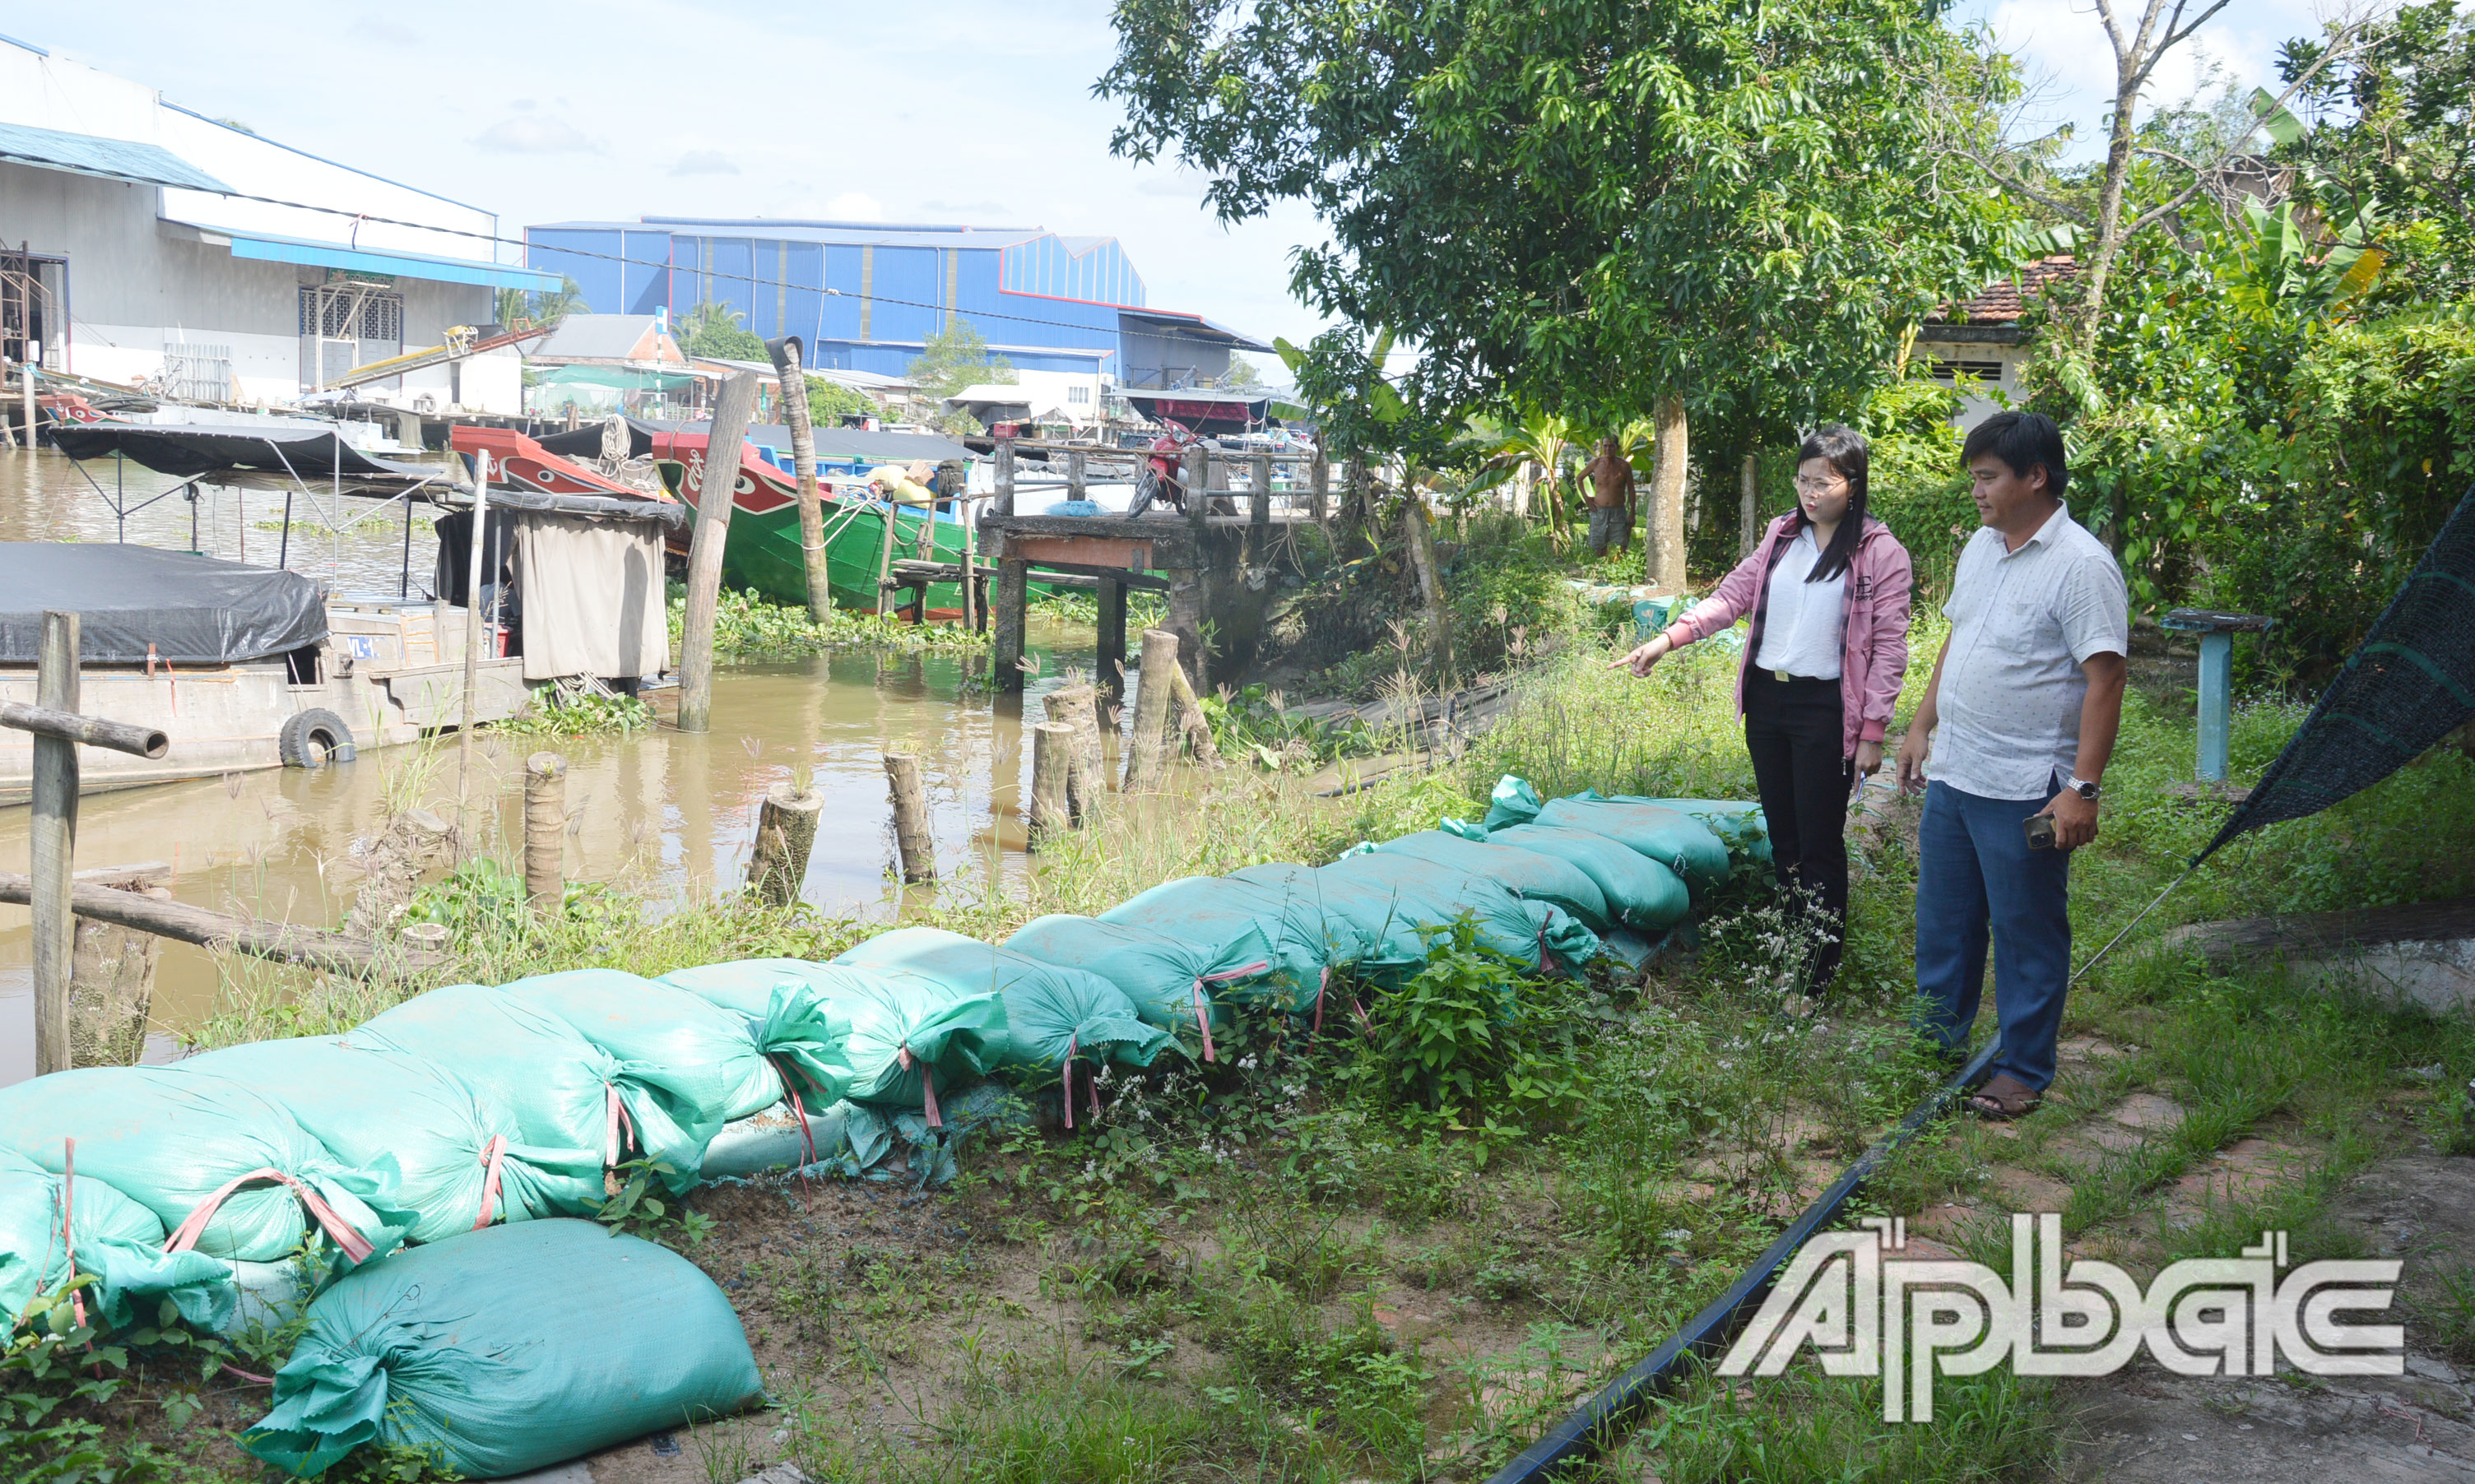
(1590, 1429)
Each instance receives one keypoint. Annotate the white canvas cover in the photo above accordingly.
(593, 596)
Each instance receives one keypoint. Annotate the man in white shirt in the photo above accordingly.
(2018, 723)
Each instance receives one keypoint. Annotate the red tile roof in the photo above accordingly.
(2004, 300)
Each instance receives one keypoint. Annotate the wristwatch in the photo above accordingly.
(2083, 788)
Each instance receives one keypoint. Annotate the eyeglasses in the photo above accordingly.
(1807, 485)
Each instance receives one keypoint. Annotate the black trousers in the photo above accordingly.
(1793, 729)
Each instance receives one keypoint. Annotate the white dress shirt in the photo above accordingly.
(1803, 622)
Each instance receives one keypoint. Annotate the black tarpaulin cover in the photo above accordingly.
(194, 610)
(185, 448)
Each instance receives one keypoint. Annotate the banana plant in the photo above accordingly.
(2314, 260)
(1540, 438)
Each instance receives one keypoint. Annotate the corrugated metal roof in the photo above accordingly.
(1189, 323)
(595, 337)
(106, 160)
(267, 247)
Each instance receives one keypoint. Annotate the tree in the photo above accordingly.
(953, 359)
(1594, 207)
(1243, 375)
(2109, 220)
(712, 330)
(830, 401)
(523, 309)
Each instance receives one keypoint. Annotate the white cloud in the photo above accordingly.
(705, 162)
(854, 207)
(537, 137)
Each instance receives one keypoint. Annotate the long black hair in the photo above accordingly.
(1842, 449)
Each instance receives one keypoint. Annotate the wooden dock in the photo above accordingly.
(1196, 555)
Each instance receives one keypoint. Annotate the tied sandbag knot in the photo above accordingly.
(355, 1245)
(927, 1087)
(1202, 1015)
(622, 1130)
(493, 1154)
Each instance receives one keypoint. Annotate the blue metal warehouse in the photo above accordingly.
(867, 296)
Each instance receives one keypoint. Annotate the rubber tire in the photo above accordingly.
(313, 739)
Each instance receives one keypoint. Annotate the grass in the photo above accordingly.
(746, 625)
(1287, 1267)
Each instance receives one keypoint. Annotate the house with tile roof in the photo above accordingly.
(1980, 346)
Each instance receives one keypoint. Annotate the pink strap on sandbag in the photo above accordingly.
(1071, 1043)
(1202, 1016)
(68, 1229)
(1322, 982)
(927, 1087)
(355, 1245)
(1365, 1026)
(798, 1110)
(616, 1111)
(492, 1155)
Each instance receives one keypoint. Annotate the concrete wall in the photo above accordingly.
(1966, 358)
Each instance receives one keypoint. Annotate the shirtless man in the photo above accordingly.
(1611, 498)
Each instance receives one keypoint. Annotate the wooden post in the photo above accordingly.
(1112, 636)
(1012, 601)
(546, 833)
(1076, 485)
(1258, 503)
(1749, 515)
(1053, 765)
(1004, 502)
(1320, 489)
(26, 372)
(972, 615)
(912, 841)
(1193, 722)
(52, 834)
(1431, 579)
(1076, 707)
(479, 542)
(803, 468)
(1195, 471)
(786, 832)
(112, 984)
(1145, 756)
(721, 484)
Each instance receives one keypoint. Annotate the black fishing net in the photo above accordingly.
(2408, 685)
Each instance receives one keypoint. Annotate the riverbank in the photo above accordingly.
(1290, 1267)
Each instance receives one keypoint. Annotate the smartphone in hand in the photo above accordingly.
(2041, 832)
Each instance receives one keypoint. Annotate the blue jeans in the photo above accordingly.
(1974, 871)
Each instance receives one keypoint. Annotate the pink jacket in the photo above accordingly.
(1873, 645)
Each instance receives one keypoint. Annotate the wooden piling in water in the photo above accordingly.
(1076, 707)
(1191, 722)
(719, 484)
(1004, 500)
(52, 832)
(912, 840)
(1258, 502)
(546, 833)
(1146, 754)
(1112, 636)
(786, 832)
(111, 983)
(1009, 604)
(1320, 489)
(1053, 764)
(803, 468)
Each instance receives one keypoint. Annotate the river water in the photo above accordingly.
(671, 815)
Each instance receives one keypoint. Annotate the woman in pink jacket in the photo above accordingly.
(1827, 591)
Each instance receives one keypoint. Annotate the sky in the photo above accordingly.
(937, 110)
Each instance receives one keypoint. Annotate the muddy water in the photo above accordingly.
(672, 815)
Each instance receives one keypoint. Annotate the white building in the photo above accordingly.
(1979, 348)
(146, 260)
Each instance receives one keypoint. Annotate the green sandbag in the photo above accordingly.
(1390, 896)
(1641, 892)
(702, 1060)
(506, 1350)
(177, 1141)
(366, 1104)
(565, 1091)
(1513, 802)
(1051, 1010)
(909, 1034)
(804, 1034)
(1675, 839)
(115, 1239)
(1222, 916)
(1737, 822)
(1156, 970)
(1545, 878)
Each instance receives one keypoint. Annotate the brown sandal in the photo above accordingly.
(2004, 1098)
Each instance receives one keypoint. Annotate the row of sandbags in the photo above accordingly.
(473, 1106)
